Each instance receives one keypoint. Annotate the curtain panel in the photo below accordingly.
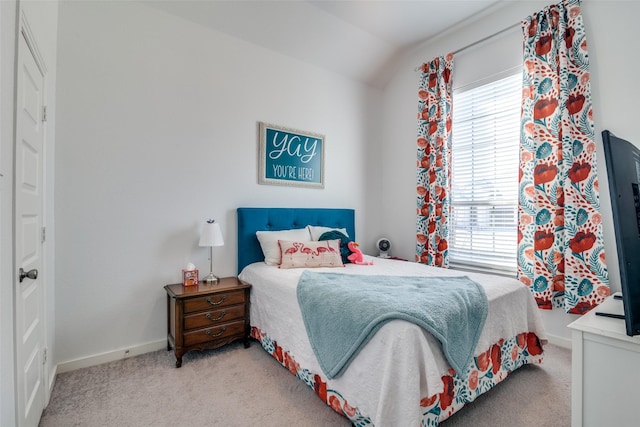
(434, 161)
(560, 246)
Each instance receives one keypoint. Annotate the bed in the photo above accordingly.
(401, 377)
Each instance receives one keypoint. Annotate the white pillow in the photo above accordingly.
(269, 242)
(316, 231)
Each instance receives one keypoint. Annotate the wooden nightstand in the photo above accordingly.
(206, 316)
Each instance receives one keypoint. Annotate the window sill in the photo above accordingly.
(484, 270)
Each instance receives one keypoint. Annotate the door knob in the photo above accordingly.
(31, 274)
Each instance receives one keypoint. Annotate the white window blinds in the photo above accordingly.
(484, 194)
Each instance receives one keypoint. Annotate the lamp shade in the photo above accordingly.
(211, 234)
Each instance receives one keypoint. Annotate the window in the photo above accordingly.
(484, 193)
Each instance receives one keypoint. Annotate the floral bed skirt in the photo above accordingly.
(487, 370)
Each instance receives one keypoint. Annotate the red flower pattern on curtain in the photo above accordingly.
(560, 248)
(434, 162)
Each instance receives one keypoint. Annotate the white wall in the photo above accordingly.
(157, 132)
(611, 26)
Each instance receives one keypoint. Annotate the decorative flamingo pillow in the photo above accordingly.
(308, 254)
(269, 242)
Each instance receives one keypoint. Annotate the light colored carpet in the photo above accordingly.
(234, 386)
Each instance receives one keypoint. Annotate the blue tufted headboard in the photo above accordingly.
(251, 220)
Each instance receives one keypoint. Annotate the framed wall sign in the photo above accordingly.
(290, 157)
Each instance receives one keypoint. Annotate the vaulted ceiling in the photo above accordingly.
(359, 39)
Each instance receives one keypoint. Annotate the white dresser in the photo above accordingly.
(605, 370)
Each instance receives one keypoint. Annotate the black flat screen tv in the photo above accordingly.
(623, 171)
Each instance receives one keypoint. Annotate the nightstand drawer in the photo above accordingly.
(213, 301)
(214, 333)
(211, 318)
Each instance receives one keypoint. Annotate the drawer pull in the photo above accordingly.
(213, 319)
(222, 298)
(208, 332)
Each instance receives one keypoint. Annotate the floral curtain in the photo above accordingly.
(560, 246)
(434, 161)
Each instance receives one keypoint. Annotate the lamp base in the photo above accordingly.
(211, 278)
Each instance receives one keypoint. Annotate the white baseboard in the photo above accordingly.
(559, 341)
(124, 353)
(111, 356)
(51, 383)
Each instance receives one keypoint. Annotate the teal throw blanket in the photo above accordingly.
(342, 312)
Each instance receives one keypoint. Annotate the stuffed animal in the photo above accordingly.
(356, 257)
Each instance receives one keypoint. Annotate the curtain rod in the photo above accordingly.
(477, 42)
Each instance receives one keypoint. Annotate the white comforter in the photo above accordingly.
(381, 380)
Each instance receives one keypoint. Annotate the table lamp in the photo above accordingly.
(211, 236)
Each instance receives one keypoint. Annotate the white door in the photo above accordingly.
(29, 306)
